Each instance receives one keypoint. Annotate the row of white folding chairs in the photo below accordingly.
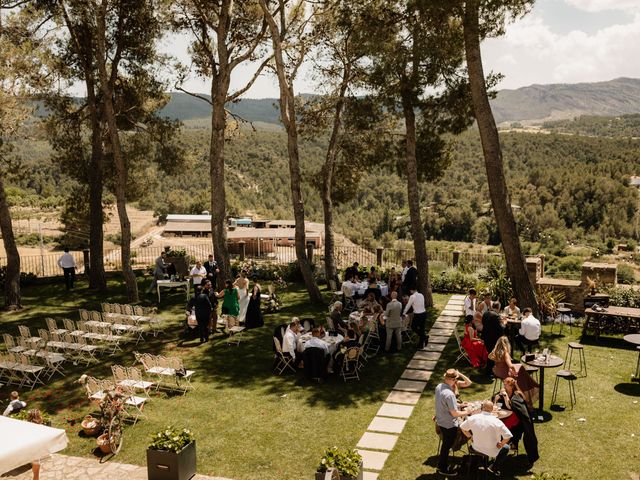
(36, 351)
(131, 377)
(133, 403)
(75, 346)
(16, 368)
(82, 328)
(169, 372)
(144, 324)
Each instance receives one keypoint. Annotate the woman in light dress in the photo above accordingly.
(242, 284)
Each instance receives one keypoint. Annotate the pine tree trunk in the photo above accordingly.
(12, 296)
(505, 220)
(218, 193)
(413, 194)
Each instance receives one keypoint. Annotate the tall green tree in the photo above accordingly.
(288, 23)
(482, 19)
(225, 34)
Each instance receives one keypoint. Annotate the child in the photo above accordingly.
(15, 404)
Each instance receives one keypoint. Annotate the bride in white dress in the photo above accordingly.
(242, 284)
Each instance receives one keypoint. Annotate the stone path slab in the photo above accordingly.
(422, 364)
(410, 386)
(387, 425)
(370, 476)
(373, 460)
(65, 467)
(422, 375)
(439, 339)
(452, 313)
(449, 319)
(435, 332)
(408, 398)
(435, 347)
(395, 410)
(377, 441)
(425, 355)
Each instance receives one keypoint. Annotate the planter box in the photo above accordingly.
(165, 465)
(333, 474)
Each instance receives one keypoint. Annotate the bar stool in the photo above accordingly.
(581, 358)
(637, 376)
(564, 310)
(569, 377)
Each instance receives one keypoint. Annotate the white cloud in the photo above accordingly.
(603, 5)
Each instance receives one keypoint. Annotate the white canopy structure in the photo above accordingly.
(24, 442)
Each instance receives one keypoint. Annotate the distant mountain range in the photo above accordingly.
(533, 104)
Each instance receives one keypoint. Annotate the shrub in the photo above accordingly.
(453, 280)
(624, 297)
(25, 278)
(171, 439)
(626, 274)
(346, 461)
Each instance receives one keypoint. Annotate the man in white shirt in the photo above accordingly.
(198, 273)
(488, 435)
(315, 342)
(68, 265)
(290, 342)
(529, 332)
(470, 305)
(416, 301)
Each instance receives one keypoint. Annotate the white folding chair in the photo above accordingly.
(463, 353)
(282, 361)
(53, 326)
(350, 364)
(234, 329)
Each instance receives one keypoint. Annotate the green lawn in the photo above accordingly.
(250, 424)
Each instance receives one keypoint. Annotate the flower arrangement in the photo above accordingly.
(24, 415)
(347, 462)
(171, 439)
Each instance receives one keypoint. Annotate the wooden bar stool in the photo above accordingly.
(569, 377)
(564, 311)
(581, 358)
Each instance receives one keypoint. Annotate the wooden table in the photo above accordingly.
(552, 362)
(635, 340)
(186, 284)
(595, 319)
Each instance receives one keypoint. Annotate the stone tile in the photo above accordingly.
(369, 476)
(377, 441)
(438, 325)
(429, 365)
(441, 339)
(434, 347)
(451, 313)
(410, 386)
(457, 297)
(426, 355)
(373, 460)
(387, 425)
(442, 329)
(422, 375)
(408, 398)
(395, 410)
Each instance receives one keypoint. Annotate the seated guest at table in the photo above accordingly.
(15, 404)
(488, 435)
(473, 345)
(349, 341)
(231, 302)
(339, 325)
(290, 342)
(512, 309)
(369, 303)
(477, 317)
(504, 367)
(197, 274)
(350, 286)
(470, 305)
(373, 275)
(353, 272)
(446, 418)
(375, 289)
(316, 342)
(393, 322)
(486, 303)
(519, 423)
(529, 332)
(492, 328)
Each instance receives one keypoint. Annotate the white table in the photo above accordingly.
(332, 342)
(24, 442)
(186, 284)
(362, 287)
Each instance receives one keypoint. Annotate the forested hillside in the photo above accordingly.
(568, 186)
(596, 126)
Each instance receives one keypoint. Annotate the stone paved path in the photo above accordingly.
(64, 467)
(382, 434)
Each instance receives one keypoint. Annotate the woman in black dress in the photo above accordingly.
(254, 315)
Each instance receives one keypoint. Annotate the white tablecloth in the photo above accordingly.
(360, 288)
(170, 284)
(24, 442)
(332, 342)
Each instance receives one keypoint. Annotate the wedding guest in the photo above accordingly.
(15, 404)
(504, 367)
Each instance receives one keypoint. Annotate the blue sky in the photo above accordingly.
(560, 41)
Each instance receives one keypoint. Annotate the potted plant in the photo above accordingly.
(347, 463)
(103, 443)
(90, 426)
(171, 455)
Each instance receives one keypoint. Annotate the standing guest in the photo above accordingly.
(486, 303)
(492, 326)
(410, 281)
(353, 272)
(393, 322)
(470, 305)
(403, 271)
(473, 345)
(447, 415)
(394, 279)
(203, 308)
(211, 266)
(416, 302)
(231, 300)
(68, 265)
(530, 330)
(15, 404)
(254, 315)
(159, 271)
(504, 367)
(198, 273)
(520, 423)
(290, 342)
(488, 436)
(512, 309)
(242, 283)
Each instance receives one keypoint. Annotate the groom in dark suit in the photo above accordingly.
(211, 266)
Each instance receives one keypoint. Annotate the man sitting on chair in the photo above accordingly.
(290, 342)
(529, 332)
(489, 435)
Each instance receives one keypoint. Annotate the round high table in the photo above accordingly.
(635, 340)
(552, 362)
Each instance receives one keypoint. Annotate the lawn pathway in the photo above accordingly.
(382, 434)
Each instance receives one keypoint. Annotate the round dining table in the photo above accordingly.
(551, 361)
(331, 341)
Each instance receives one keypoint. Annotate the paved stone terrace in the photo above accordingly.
(382, 434)
(64, 467)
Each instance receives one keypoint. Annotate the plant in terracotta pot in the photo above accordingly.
(171, 455)
(90, 426)
(347, 463)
